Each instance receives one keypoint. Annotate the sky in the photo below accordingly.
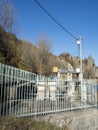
(79, 17)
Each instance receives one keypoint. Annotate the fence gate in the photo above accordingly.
(26, 94)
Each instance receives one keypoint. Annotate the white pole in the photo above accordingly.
(79, 43)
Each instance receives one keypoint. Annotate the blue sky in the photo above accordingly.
(80, 17)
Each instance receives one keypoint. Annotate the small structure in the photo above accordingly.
(73, 83)
(46, 90)
(40, 93)
(52, 90)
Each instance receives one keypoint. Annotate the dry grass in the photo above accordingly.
(11, 123)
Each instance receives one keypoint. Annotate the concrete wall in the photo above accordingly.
(84, 119)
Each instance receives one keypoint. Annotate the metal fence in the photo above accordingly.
(26, 94)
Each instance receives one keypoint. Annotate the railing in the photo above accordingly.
(26, 94)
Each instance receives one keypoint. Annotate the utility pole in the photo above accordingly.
(79, 43)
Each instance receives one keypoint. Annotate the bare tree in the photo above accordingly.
(89, 68)
(29, 57)
(7, 15)
(44, 46)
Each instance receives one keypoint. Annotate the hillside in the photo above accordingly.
(39, 59)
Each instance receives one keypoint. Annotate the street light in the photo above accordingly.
(79, 43)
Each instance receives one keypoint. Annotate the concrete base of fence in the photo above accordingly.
(83, 119)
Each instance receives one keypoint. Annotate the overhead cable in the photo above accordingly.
(56, 21)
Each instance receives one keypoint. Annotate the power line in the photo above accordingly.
(55, 20)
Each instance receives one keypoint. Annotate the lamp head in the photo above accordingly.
(78, 41)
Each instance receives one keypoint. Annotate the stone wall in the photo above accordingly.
(84, 119)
